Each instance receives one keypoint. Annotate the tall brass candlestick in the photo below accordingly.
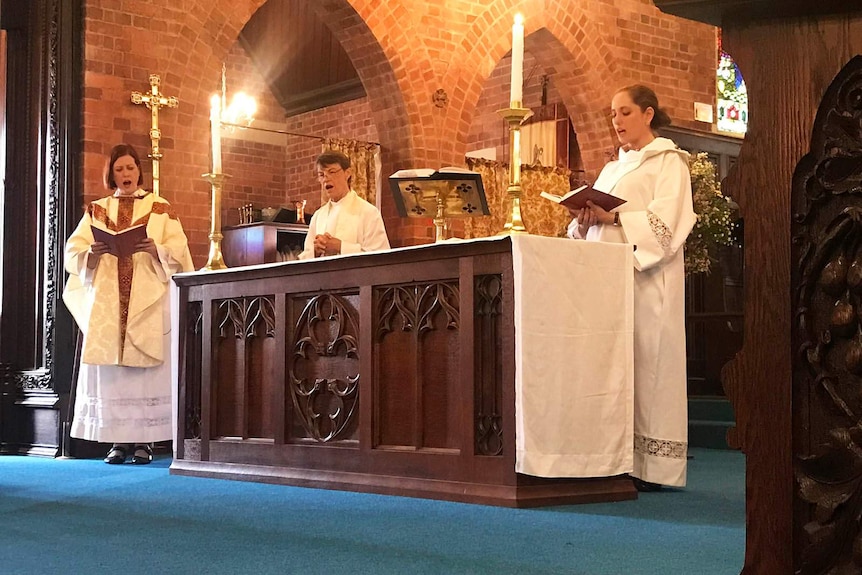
(515, 115)
(215, 261)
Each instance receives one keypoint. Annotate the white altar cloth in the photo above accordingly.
(574, 343)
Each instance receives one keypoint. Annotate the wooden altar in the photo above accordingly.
(391, 372)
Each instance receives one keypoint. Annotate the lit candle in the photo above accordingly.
(517, 86)
(215, 128)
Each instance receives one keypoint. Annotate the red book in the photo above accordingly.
(121, 243)
(577, 199)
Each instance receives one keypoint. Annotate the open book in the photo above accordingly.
(121, 243)
(428, 172)
(577, 199)
(421, 192)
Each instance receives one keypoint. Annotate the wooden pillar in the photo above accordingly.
(789, 52)
(40, 185)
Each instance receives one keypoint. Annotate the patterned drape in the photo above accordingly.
(364, 163)
(539, 143)
(541, 217)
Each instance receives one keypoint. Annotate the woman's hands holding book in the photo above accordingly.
(148, 246)
(590, 216)
(97, 250)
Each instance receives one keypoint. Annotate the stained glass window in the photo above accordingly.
(732, 97)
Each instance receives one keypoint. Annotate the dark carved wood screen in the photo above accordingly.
(41, 187)
(827, 334)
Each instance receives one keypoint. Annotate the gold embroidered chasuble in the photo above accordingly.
(118, 305)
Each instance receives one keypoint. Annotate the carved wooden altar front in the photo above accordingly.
(387, 373)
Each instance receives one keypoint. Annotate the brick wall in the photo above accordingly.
(403, 52)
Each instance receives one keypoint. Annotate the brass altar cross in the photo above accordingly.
(153, 100)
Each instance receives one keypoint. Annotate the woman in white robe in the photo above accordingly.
(652, 175)
(120, 301)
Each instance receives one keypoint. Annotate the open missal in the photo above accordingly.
(428, 172)
(121, 243)
(424, 192)
(577, 199)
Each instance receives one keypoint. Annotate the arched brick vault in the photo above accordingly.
(557, 37)
(377, 70)
(585, 92)
(403, 51)
(468, 47)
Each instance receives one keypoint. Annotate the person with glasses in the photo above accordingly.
(346, 224)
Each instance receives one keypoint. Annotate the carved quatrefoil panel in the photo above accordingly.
(323, 373)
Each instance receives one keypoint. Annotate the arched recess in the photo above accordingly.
(379, 79)
(585, 93)
(582, 66)
(206, 34)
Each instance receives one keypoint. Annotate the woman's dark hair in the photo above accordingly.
(330, 157)
(118, 152)
(645, 98)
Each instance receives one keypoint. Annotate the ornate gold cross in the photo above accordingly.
(153, 100)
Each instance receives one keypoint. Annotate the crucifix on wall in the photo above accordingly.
(154, 101)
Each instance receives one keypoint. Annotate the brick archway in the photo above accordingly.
(404, 51)
(197, 41)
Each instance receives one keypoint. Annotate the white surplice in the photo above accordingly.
(573, 357)
(352, 220)
(658, 216)
(123, 392)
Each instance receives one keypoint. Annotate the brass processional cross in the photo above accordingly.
(153, 100)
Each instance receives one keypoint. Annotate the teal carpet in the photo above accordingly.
(82, 516)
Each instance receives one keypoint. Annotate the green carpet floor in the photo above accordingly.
(82, 516)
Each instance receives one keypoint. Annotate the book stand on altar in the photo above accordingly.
(441, 195)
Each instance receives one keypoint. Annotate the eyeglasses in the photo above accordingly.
(331, 173)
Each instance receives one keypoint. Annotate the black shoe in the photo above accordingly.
(645, 486)
(143, 455)
(116, 455)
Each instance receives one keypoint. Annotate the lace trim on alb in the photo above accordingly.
(660, 230)
(156, 412)
(124, 423)
(661, 447)
(99, 403)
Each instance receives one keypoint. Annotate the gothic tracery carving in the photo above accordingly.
(488, 300)
(246, 316)
(325, 402)
(413, 307)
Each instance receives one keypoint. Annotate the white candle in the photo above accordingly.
(517, 86)
(215, 128)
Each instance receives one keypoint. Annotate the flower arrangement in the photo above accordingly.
(715, 217)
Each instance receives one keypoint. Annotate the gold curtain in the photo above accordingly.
(541, 217)
(363, 162)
